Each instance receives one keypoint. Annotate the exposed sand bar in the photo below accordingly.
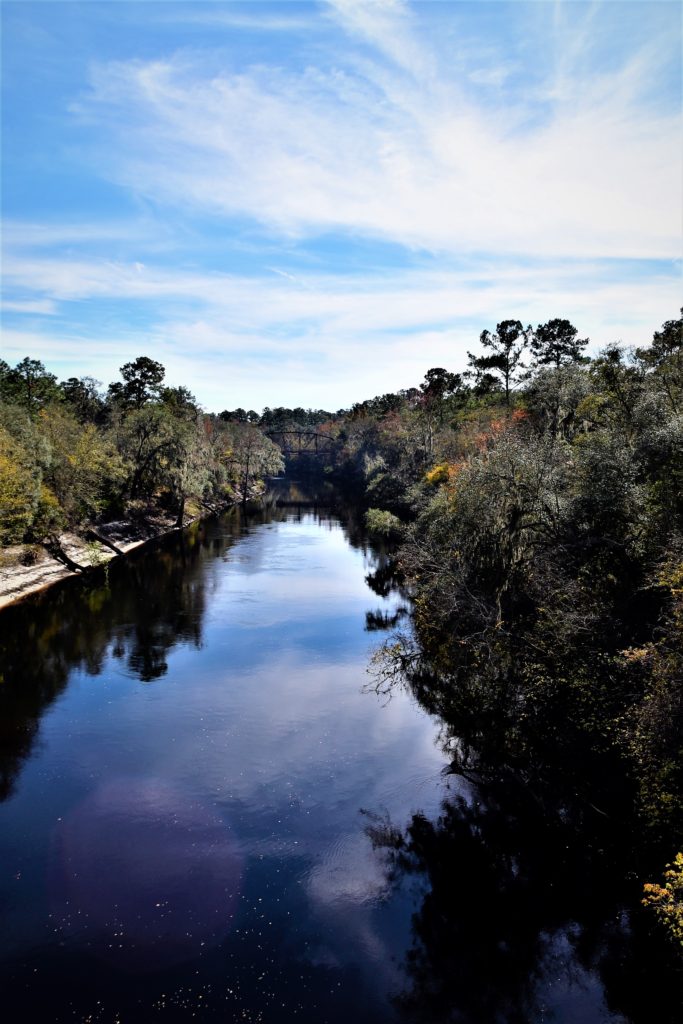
(18, 581)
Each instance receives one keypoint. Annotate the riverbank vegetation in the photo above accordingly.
(542, 509)
(71, 455)
(537, 504)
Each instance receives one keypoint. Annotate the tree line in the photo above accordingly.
(539, 510)
(70, 454)
(538, 501)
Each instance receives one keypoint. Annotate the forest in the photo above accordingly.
(534, 508)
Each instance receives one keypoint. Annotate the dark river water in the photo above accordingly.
(193, 768)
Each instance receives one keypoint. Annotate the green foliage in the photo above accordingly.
(504, 361)
(665, 358)
(82, 395)
(19, 489)
(280, 418)
(554, 397)
(49, 518)
(83, 464)
(28, 385)
(244, 456)
(555, 343)
(142, 380)
(383, 524)
(144, 438)
(68, 456)
(544, 564)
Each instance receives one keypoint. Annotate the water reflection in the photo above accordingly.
(529, 886)
(380, 621)
(196, 846)
(195, 843)
(143, 875)
(76, 624)
(144, 607)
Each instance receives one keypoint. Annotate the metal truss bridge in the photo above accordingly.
(302, 442)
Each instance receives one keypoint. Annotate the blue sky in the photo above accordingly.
(312, 203)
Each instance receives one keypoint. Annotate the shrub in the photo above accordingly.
(383, 524)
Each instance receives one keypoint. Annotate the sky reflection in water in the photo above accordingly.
(195, 797)
(190, 765)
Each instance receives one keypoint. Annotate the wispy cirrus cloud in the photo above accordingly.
(297, 192)
(223, 334)
(401, 299)
(581, 166)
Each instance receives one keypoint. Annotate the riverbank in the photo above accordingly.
(28, 569)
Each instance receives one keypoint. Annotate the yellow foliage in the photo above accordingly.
(667, 900)
(443, 473)
(49, 514)
(437, 475)
(672, 578)
(18, 490)
(637, 655)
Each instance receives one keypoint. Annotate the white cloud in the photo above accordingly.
(582, 166)
(28, 234)
(320, 339)
(535, 183)
(398, 300)
(41, 306)
(494, 76)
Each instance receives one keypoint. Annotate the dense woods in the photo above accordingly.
(539, 502)
(70, 454)
(536, 504)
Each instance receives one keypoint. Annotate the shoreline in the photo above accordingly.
(19, 581)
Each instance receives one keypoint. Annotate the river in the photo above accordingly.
(193, 769)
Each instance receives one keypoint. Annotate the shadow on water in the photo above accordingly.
(138, 610)
(529, 884)
(524, 890)
(522, 920)
(74, 624)
(136, 831)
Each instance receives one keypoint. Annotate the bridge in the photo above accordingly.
(302, 442)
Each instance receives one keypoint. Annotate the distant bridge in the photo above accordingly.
(302, 442)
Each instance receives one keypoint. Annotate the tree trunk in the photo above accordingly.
(103, 540)
(181, 512)
(245, 489)
(54, 548)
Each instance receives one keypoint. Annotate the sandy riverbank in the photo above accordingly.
(18, 580)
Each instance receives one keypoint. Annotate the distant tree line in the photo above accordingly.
(538, 497)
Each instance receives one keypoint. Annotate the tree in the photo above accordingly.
(187, 461)
(665, 358)
(83, 464)
(19, 489)
(618, 387)
(6, 382)
(180, 402)
(83, 396)
(555, 344)
(665, 343)
(439, 385)
(247, 455)
(554, 395)
(507, 346)
(144, 438)
(142, 381)
(238, 415)
(28, 384)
